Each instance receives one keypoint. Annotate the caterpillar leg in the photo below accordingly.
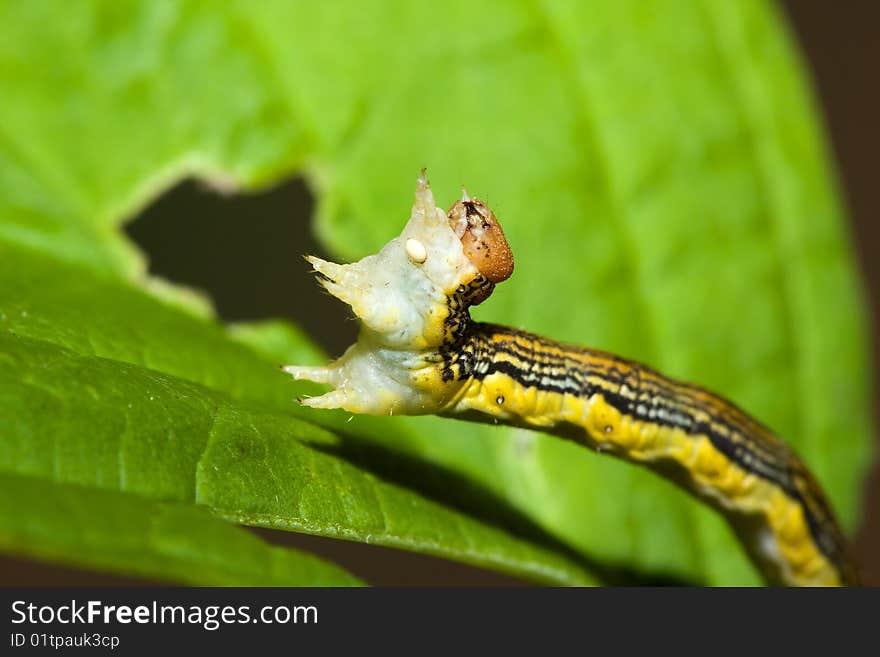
(330, 374)
(330, 400)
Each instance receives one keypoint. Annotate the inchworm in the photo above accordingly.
(418, 352)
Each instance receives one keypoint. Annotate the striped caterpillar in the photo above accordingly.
(419, 352)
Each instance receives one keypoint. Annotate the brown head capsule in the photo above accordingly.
(481, 238)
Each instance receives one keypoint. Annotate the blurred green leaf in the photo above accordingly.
(658, 168)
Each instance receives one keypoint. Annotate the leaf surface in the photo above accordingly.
(127, 533)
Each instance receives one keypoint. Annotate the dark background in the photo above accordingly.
(255, 243)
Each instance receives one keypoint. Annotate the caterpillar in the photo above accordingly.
(418, 352)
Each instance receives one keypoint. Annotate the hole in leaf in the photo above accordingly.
(246, 252)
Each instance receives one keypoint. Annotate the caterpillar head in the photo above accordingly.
(482, 239)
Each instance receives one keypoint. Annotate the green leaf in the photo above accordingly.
(127, 533)
(658, 167)
(93, 394)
